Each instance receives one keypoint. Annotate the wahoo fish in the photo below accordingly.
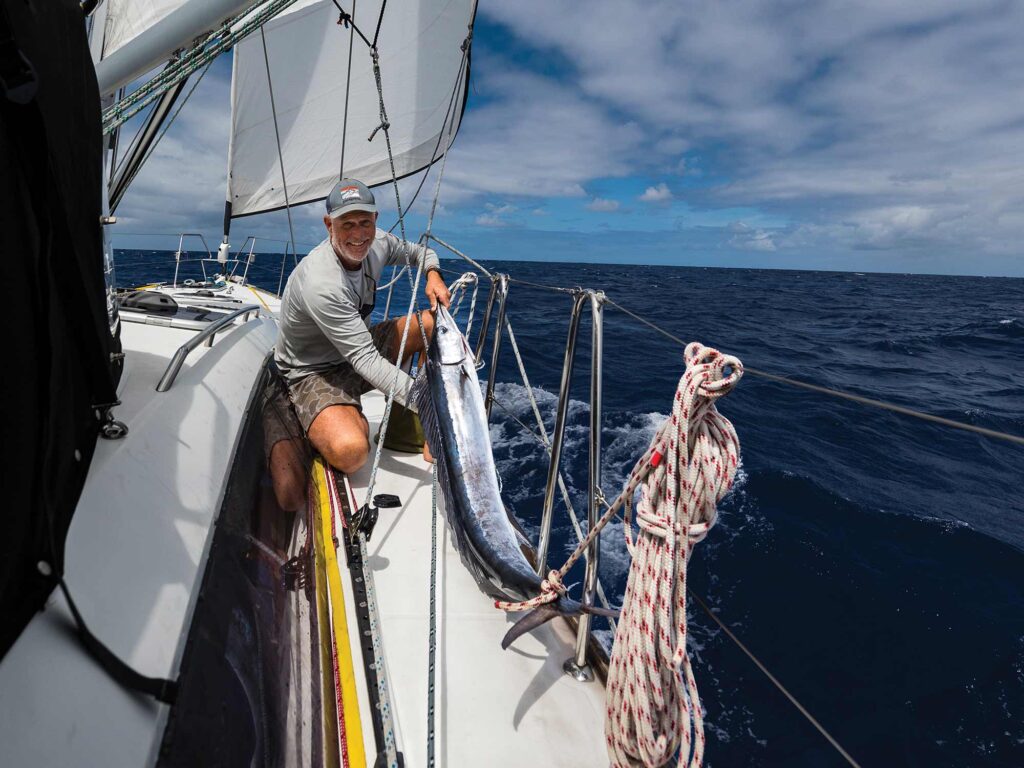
(451, 408)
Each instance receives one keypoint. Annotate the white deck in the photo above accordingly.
(493, 707)
(134, 554)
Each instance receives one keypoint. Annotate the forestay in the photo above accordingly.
(308, 52)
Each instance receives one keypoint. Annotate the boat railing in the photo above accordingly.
(577, 666)
(235, 268)
(206, 336)
(181, 251)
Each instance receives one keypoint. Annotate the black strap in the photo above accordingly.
(157, 687)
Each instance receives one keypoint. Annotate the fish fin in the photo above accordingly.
(529, 622)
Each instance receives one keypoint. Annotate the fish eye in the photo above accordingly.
(442, 329)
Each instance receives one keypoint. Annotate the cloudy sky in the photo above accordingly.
(865, 135)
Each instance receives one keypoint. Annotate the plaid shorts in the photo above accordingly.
(340, 385)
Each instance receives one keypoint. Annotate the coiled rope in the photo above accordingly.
(653, 708)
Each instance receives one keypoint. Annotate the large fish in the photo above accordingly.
(451, 408)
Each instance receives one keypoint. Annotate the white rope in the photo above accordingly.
(654, 709)
(652, 700)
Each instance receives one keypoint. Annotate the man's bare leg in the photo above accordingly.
(342, 435)
(288, 473)
(415, 341)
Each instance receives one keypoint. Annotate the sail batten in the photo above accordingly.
(421, 57)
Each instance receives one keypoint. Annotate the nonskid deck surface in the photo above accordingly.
(493, 707)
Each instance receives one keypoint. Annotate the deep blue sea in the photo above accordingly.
(873, 562)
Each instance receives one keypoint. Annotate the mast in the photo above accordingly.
(225, 246)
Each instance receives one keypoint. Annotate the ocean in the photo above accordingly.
(873, 562)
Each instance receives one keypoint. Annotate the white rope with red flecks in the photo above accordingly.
(653, 709)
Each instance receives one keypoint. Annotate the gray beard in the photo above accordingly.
(345, 260)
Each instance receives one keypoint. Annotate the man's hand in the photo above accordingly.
(436, 290)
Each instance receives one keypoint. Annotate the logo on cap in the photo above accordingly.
(348, 193)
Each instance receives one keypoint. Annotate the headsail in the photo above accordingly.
(420, 45)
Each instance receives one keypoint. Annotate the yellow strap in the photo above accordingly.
(327, 562)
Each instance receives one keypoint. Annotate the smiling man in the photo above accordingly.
(326, 350)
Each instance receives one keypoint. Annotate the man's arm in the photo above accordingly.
(403, 252)
(341, 323)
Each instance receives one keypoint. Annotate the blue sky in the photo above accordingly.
(868, 136)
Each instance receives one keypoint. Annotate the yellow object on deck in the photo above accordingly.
(338, 673)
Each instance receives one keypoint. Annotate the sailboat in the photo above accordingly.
(161, 605)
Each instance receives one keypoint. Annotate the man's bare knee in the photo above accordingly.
(347, 452)
(340, 434)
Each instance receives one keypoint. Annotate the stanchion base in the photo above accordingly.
(582, 674)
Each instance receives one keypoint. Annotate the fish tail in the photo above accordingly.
(545, 613)
(529, 622)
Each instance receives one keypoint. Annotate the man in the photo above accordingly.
(326, 352)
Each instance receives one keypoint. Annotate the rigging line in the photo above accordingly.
(169, 123)
(394, 278)
(545, 287)
(451, 124)
(380, 19)
(546, 442)
(348, 19)
(131, 145)
(386, 127)
(775, 681)
(437, 144)
(460, 254)
(277, 137)
(432, 639)
(845, 395)
(348, 84)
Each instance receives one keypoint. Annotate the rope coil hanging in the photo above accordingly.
(653, 707)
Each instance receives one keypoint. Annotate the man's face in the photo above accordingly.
(352, 234)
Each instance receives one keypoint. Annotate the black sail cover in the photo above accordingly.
(61, 363)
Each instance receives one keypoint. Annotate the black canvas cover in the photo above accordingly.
(57, 346)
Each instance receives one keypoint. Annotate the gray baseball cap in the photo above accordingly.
(350, 195)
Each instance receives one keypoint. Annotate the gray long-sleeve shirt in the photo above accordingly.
(321, 324)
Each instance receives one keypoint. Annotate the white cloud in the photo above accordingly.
(497, 215)
(535, 137)
(603, 205)
(822, 112)
(870, 125)
(658, 194)
(747, 238)
(490, 220)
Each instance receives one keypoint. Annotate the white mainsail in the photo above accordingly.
(127, 19)
(420, 56)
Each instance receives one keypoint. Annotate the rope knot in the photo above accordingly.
(717, 374)
(552, 586)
